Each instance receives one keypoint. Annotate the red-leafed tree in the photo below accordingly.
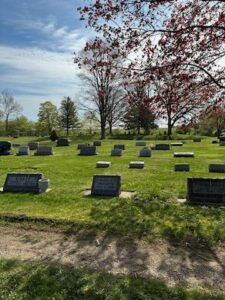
(100, 73)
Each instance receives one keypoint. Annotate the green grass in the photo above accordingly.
(28, 281)
(154, 211)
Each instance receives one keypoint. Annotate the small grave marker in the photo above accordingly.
(162, 147)
(176, 144)
(62, 142)
(116, 152)
(106, 185)
(145, 152)
(97, 143)
(218, 168)
(23, 150)
(44, 150)
(197, 140)
(206, 190)
(25, 183)
(119, 146)
(182, 168)
(183, 154)
(103, 164)
(136, 165)
(88, 150)
(140, 143)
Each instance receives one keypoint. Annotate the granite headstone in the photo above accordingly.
(106, 185)
(17, 182)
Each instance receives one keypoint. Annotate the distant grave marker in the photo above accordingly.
(215, 142)
(136, 165)
(206, 190)
(176, 144)
(183, 154)
(106, 185)
(162, 147)
(33, 145)
(23, 150)
(97, 143)
(140, 143)
(88, 150)
(182, 168)
(145, 152)
(63, 142)
(119, 146)
(218, 168)
(5, 148)
(79, 146)
(44, 150)
(116, 152)
(197, 140)
(103, 164)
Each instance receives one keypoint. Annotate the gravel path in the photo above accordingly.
(161, 260)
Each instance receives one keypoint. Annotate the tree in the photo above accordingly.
(90, 121)
(9, 107)
(48, 116)
(21, 126)
(68, 114)
(102, 81)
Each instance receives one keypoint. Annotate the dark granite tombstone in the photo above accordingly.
(44, 150)
(215, 142)
(88, 150)
(197, 140)
(25, 183)
(116, 152)
(62, 142)
(140, 143)
(176, 144)
(5, 148)
(79, 146)
(206, 190)
(119, 146)
(222, 138)
(23, 150)
(97, 143)
(106, 185)
(145, 152)
(182, 168)
(218, 168)
(183, 154)
(162, 147)
(33, 145)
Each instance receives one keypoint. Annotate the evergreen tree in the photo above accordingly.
(68, 114)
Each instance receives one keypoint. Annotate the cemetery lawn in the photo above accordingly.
(153, 212)
(20, 280)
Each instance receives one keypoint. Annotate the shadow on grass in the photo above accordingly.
(26, 281)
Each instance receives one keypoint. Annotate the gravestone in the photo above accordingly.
(116, 152)
(183, 154)
(215, 142)
(140, 143)
(79, 146)
(103, 164)
(222, 143)
(119, 146)
(15, 145)
(206, 190)
(222, 138)
(176, 144)
(88, 150)
(145, 152)
(182, 168)
(136, 165)
(23, 150)
(44, 150)
(97, 143)
(106, 185)
(62, 142)
(5, 148)
(197, 140)
(33, 145)
(162, 147)
(17, 182)
(218, 168)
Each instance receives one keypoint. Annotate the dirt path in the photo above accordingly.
(169, 263)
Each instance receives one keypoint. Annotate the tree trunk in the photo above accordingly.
(6, 124)
(169, 129)
(67, 131)
(102, 131)
(110, 128)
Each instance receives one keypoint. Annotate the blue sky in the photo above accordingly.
(37, 41)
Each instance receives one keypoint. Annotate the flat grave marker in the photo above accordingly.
(181, 168)
(162, 147)
(176, 144)
(136, 165)
(206, 190)
(183, 154)
(106, 185)
(218, 168)
(103, 164)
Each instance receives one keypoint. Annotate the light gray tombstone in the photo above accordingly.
(218, 168)
(103, 164)
(140, 143)
(176, 144)
(182, 168)
(33, 145)
(136, 165)
(23, 150)
(162, 147)
(44, 150)
(116, 152)
(183, 154)
(145, 152)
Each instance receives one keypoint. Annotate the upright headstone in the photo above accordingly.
(33, 145)
(162, 147)
(116, 152)
(140, 143)
(23, 150)
(5, 148)
(63, 142)
(145, 152)
(88, 150)
(206, 190)
(106, 185)
(197, 140)
(136, 165)
(17, 182)
(218, 168)
(44, 150)
(183, 154)
(119, 146)
(97, 143)
(182, 168)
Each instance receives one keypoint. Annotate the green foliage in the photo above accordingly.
(47, 117)
(29, 281)
(68, 114)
